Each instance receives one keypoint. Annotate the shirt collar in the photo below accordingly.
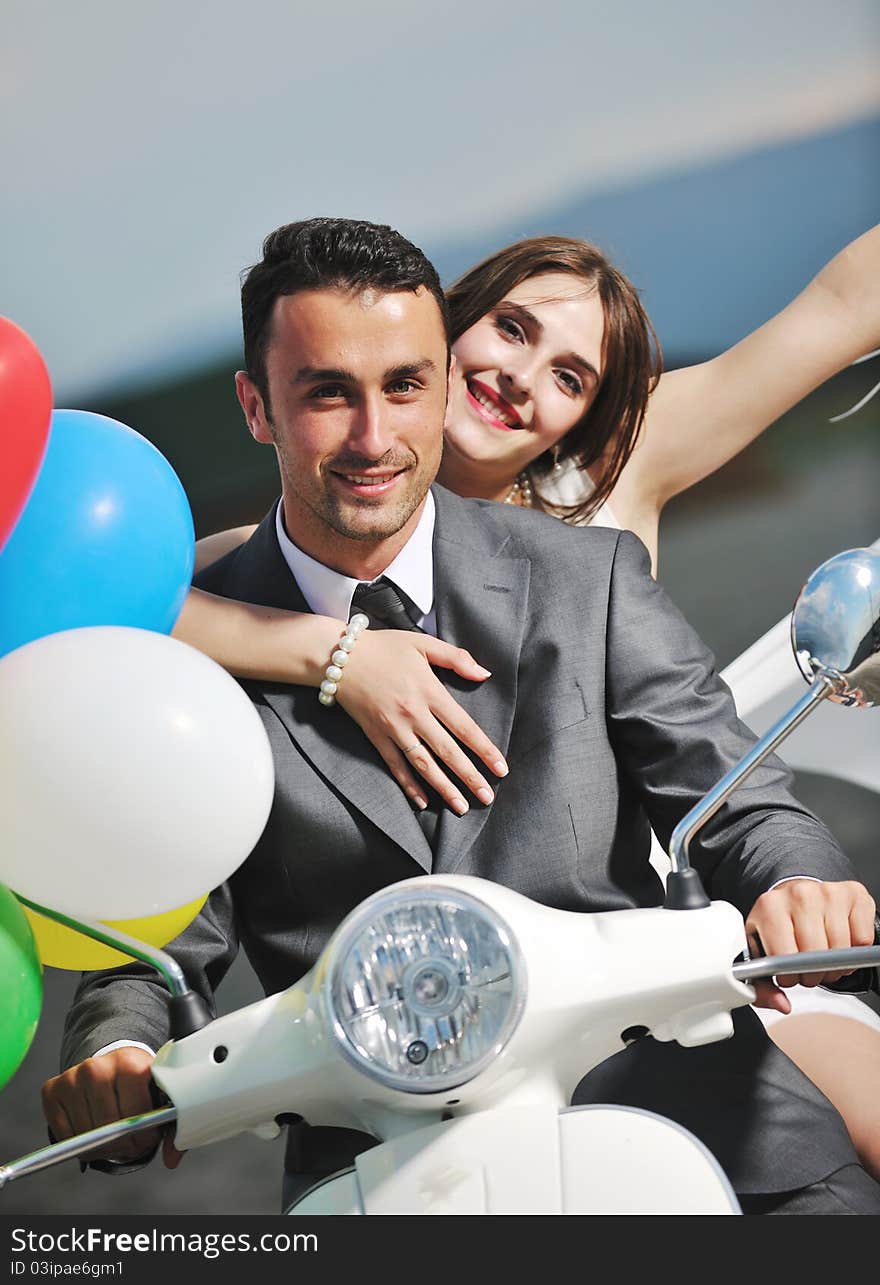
(329, 593)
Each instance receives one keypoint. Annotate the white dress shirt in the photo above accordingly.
(329, 593)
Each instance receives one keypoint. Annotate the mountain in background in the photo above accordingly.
(715, 252)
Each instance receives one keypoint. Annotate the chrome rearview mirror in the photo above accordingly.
(835, 631)
(835, 627)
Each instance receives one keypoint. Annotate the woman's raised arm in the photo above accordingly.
(700, 417)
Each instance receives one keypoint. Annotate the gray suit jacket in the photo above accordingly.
(612, 718)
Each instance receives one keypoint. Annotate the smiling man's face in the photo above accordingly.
(357, 386)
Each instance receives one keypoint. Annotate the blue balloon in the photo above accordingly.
(106, 537)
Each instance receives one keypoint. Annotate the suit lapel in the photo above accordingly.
(481, 594)
(332, 741)
(340, 752)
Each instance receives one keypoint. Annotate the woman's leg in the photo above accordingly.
(841, 1055)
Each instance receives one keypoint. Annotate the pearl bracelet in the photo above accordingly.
(339, 659)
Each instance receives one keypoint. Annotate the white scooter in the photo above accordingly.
(451, 1018)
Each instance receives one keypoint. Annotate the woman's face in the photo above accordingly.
(526, 372)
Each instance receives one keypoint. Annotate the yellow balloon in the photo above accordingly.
(61, 947)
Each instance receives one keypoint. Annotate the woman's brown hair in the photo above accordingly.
(631, 355)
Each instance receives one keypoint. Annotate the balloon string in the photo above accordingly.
(163, 963)
(868, 396)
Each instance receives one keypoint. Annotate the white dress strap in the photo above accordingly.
(571, 485)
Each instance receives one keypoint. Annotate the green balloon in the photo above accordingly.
(21, 986)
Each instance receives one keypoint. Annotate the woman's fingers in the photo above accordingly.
(419, 757)
(448, 712)
(448, 656)
(431, 752)
(399, 768)
(393, 694)
(453, 759)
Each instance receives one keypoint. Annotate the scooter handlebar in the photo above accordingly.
(83, 1143)
(808, 961)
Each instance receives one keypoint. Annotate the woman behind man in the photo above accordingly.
(557, 402)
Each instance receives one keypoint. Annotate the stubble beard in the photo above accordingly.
(364, 520)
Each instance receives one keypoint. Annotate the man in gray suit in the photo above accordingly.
(602, 698)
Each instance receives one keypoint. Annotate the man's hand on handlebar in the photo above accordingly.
(805, 914)
(101, 1090)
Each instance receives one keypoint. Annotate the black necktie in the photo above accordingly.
(383, 602)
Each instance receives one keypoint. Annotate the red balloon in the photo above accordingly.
(25, 413)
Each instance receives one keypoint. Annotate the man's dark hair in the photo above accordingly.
(348, 254)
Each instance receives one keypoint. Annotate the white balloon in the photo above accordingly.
(135, 774)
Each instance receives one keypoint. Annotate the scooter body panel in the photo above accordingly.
(533, 1160)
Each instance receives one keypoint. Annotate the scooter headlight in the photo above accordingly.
(424, 988)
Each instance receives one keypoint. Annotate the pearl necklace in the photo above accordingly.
(521, 491)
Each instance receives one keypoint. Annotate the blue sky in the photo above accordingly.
(146, 149)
